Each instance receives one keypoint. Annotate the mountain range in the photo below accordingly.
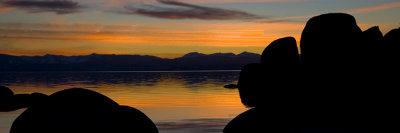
(105, 62)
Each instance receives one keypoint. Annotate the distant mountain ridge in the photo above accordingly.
(197, 54)
(103, 62)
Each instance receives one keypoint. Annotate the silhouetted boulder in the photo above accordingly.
(5, 97)
(281, 53)
(310, 119)
(274, 81)
(373, 46)
(330, 40)
(22, 100)
(392, 42)
(10, 102)
(37, 98)
(332, 53)
(376, 56)
(373, 35)
(231, 86)
(250, 83)
(81, 111)
(257, 120)
(342, 87)
(5, 92)
(393, 37)
(300, 119)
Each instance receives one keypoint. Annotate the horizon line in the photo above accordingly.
(138, 71)
(125, 54)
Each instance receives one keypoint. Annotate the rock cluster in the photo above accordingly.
(343, 80)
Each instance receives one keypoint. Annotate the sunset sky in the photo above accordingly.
(169, 28)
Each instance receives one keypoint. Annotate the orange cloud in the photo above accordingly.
(238, 1)
(5, 9)
(163, 39)
(374, 8)
(222, 34)
(120, 2)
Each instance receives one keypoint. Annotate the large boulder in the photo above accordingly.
(300, 119)
(340, 88)
(392, 42)
(373, 36)
(330, 40)
(11, 102)
(81, 111)
(274, 80)
(332, 52)
(251, 84)
(5, 97)
(393, 37)
(5, 92)
(281, 53)
(373, 46)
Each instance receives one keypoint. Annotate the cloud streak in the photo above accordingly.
(188, 11)
(374, 8)
(36, 6)
(5, 9)
(176, 34)
(242, 1)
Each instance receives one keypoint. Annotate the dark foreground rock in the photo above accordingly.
(11, 102)
(81, 111)
(344, 81)
(231, 86)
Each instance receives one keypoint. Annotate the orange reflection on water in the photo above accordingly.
(162, 96)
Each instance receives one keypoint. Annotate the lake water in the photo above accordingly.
(177, 101)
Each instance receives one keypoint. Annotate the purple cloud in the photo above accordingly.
(188, 11)
(35, 6)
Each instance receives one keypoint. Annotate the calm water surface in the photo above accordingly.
(177, 101)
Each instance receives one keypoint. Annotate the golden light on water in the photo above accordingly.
(162, 96)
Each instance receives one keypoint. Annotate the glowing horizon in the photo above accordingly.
(167, 30)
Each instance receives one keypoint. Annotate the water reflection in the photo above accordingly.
(161, 95)
(190, 78)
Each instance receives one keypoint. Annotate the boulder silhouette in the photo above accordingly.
(260, 119)
(265, 83)
(280, 66)
(331, 56)
(273, 82)
(388, 71)
(392, 42)
(392, 37)
(373, 46)
(5, 92)
(373, 36)
(342, 87)
(22, 100)
(11, 102)
(330, 40)
(81, 111)
(231, 86)
(376, 58)
(281, 53)
(250, 84)
(5, 97)
(297, 119)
